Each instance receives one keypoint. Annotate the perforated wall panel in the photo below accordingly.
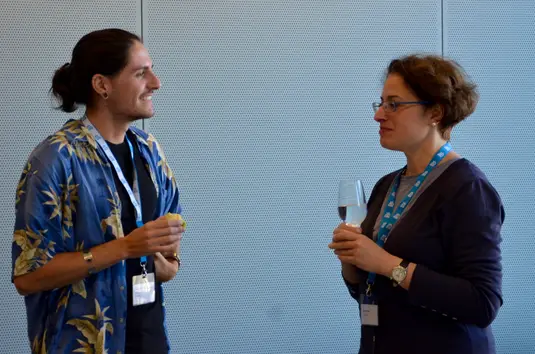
(495, 42)
(264, 106)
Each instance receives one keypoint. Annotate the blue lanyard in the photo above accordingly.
(390, 217)
(134, 194)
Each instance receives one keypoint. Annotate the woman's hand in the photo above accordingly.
(352, 247)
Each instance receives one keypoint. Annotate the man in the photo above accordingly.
(92, 245)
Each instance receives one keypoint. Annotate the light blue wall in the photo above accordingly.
(264, 106)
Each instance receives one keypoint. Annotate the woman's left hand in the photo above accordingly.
(351, 246)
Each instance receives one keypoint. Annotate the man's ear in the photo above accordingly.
(101, 85)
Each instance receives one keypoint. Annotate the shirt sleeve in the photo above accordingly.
(471, 290)
(171, 194)
(354, 289)
(42, 202)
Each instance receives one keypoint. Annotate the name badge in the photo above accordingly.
(369, 312)
(143, 289)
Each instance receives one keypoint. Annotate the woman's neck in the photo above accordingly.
(419, 158)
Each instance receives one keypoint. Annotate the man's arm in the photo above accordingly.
(70, 267)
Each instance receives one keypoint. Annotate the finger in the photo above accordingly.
(346, 259)
(349, 227)
(156, 233)
(344, 252)
(339, 227)
(164, 240)
(162, 222)
(173, 242)
(344, 245)
(344, 235)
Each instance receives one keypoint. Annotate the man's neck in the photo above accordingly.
(111, 128)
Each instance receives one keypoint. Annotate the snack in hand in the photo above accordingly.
(173, 216)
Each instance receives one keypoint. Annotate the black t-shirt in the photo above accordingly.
(145, 331)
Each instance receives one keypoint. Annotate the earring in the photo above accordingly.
(105, 95)
(434, 124)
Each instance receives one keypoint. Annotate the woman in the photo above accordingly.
(426, 265)
(90, 250)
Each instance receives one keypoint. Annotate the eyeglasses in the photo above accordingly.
(392, 106)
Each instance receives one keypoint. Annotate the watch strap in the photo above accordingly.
(404, 263)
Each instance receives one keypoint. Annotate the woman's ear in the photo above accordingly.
(436, 114)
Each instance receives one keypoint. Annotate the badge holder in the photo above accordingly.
(143, 287)
(369, 311)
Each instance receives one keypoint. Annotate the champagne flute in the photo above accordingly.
(351, 202)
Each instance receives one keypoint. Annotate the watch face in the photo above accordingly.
(399, 274)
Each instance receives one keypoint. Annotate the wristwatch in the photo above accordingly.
(399, 273)
(88, 257)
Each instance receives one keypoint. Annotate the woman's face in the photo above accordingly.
(402, 127)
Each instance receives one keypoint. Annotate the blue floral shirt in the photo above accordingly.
(67, 201)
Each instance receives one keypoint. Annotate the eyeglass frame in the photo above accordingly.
(395, 104)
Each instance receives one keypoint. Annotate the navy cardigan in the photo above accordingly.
(452, 233)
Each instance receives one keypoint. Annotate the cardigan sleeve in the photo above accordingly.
(470, 292)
